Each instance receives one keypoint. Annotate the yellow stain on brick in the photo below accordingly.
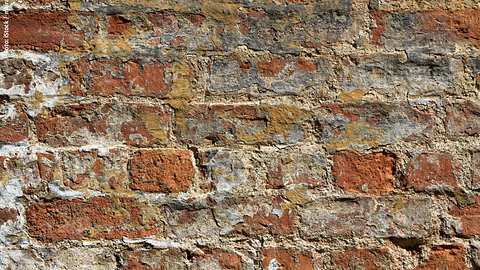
(154, 126)
(279, 120)
(181, 92)
(297, 195)
(227, 13)
(104, 47)
(351, 96)
(356, 133)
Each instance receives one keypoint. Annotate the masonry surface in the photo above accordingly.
(240, 135)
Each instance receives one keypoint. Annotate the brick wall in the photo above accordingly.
(239, 135)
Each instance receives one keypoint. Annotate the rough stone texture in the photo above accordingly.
(240, 135)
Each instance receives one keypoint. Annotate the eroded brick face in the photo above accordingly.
(240, 135)
(286, 259)
(370, 173)
(445, 257)
(161, 171)
(428, 170)
(96, 218)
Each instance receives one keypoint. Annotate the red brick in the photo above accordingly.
(271, 68)
(463, 119)
(217, 259)
(288, 259)
(14, 125)
(365, 259)
(118, 24)
(7, 214)
(468, 217)
(369, 173)
(448, 257)
(162, 171)
(378, 17)
(306, 65)
(460, 24)
(427, 170)
(96, 218)
(44, 30)
(110, 77)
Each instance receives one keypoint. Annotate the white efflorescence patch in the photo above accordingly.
(40, 82)
(8, 112)
(274, 265)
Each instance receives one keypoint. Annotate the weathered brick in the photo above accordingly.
(14, 123)
(429, 171)
(304, 166)
(363, 126)
(52, 31)
(366, 217)
(20, 258)
(98, 258)
(400, 5)
(227, 171)
(227, 124)
(416, 73)
(166, 170)
(95, 218)
(232, 216)
(288, 259)
(81, 124)
(370, 173)
(85, 169)
(473, 69)
(476, 169)
(256, 216)
(294, 26)
(115, 76)
(366, 259)
(278, 75)
(118, 24)
(463, 119)
(191, 223)
(434, 28)
(16, 72)
(22, 167)
(182, 31)
(449, 257)
(173, 259)
(8, 214)
(260, 26)
(220, 134)
(468, 217)
(217, 259)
